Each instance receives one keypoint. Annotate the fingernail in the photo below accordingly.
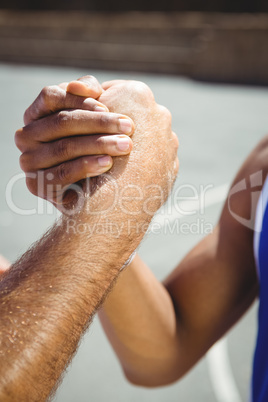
(85, 81)
(104, 161)
(100, 109)
(122, 144)
(125, 126)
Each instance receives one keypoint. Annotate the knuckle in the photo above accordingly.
(166, 113)
(25, 138)
(102, 143)
(44, 94)
(105, 120)
(19, 139)
(63, 119)
(63, 172)
(142, 88)
(49, 96)
(25, 161)
(62, 149)
(47, 91)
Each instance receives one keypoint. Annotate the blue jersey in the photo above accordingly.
(260, 367)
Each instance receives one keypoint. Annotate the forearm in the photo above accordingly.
(54, 300)
(159, 332)
(139, 319)
(47, 299)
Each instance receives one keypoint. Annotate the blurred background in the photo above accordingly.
(185, 51)
(139, 5)
(219, 40)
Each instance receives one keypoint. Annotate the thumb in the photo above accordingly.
(87, 86)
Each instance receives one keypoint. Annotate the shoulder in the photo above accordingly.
(257, 161)
(237, 220)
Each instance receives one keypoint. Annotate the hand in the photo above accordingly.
(61, 147)
(147, 174)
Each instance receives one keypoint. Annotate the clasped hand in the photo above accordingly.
(81, 129)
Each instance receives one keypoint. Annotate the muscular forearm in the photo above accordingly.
(48, 297)
(158, 342)
(140, 322)
(46, 301)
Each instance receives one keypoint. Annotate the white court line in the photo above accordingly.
(219, 367)
(220, 373)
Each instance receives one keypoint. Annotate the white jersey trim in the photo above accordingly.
(260, 211)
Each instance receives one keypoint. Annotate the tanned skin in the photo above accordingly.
(159, 331)
(48, 297)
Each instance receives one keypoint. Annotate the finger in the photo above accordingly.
(69, 123)
(107, 84)
(48, 183)
(87, 86)
(54, 98)
(66, 149)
